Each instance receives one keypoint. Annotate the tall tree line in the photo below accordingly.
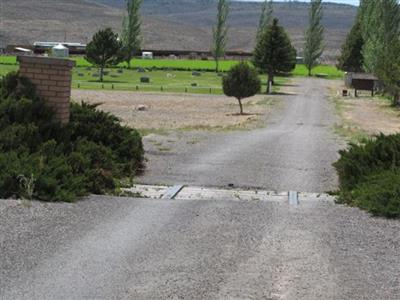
(373, 45)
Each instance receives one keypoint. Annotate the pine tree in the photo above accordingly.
(241, 82)
(314, 36)
(265, 17)
(220, 31)
(104, 50)
(131, 32)
(274, 52)
(351, 58)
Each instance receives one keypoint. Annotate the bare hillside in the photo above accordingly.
(167, 24)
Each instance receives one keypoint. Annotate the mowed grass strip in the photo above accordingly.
(209, 65)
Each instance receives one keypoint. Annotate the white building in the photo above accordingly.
(147, 55)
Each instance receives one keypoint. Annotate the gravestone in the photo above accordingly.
(196, 74)
(145, 79)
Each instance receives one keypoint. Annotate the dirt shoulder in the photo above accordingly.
(157, 111)
(364, 115)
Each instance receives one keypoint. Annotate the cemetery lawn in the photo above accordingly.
(166, 75)
(160, 81)
(185, 64)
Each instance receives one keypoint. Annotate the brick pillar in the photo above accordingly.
(52, 77)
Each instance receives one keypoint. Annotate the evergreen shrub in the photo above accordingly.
(369, 175)
(61, 163)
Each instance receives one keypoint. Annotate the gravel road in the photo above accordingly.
(120, 248)
(126, 248)
(295, 151)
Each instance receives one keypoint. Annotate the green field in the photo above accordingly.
(209, 65)
(165, 75)
(331, 72)
(163, 81)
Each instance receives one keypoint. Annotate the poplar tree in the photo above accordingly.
(265, 17)
(381, 32)
(220, 31)
(131, 31)
(314, 36)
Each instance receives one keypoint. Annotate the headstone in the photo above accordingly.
(120, 71)
(194, 84)
(141, 70)
(196, 74)
(144, 79)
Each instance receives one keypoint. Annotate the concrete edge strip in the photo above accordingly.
(293, 198)
(172, 192)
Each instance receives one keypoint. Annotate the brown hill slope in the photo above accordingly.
(167, 24)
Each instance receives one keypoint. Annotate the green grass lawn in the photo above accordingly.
(161, 80)
(8, 60)
(5, 69)
(331, 72)
(209, 65)
(300, 70)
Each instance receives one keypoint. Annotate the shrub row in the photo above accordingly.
(42, 159)
(369, 175)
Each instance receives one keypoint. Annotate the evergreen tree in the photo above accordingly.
(381, 33)
(220, 31)
(371, 25)
(104, 50)
(265, 17)
(351, 58)
(241, 82)
(274, 52)
(131, 33)
(314, 36)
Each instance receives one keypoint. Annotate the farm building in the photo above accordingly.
(74, 48)
(361, 82)
(147, 55)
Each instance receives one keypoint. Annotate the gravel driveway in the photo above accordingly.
(126, 248)
(295, 151)
(120, 248)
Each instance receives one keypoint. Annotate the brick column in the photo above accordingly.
(52, 77)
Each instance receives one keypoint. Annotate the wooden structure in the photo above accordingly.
(361, 82)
